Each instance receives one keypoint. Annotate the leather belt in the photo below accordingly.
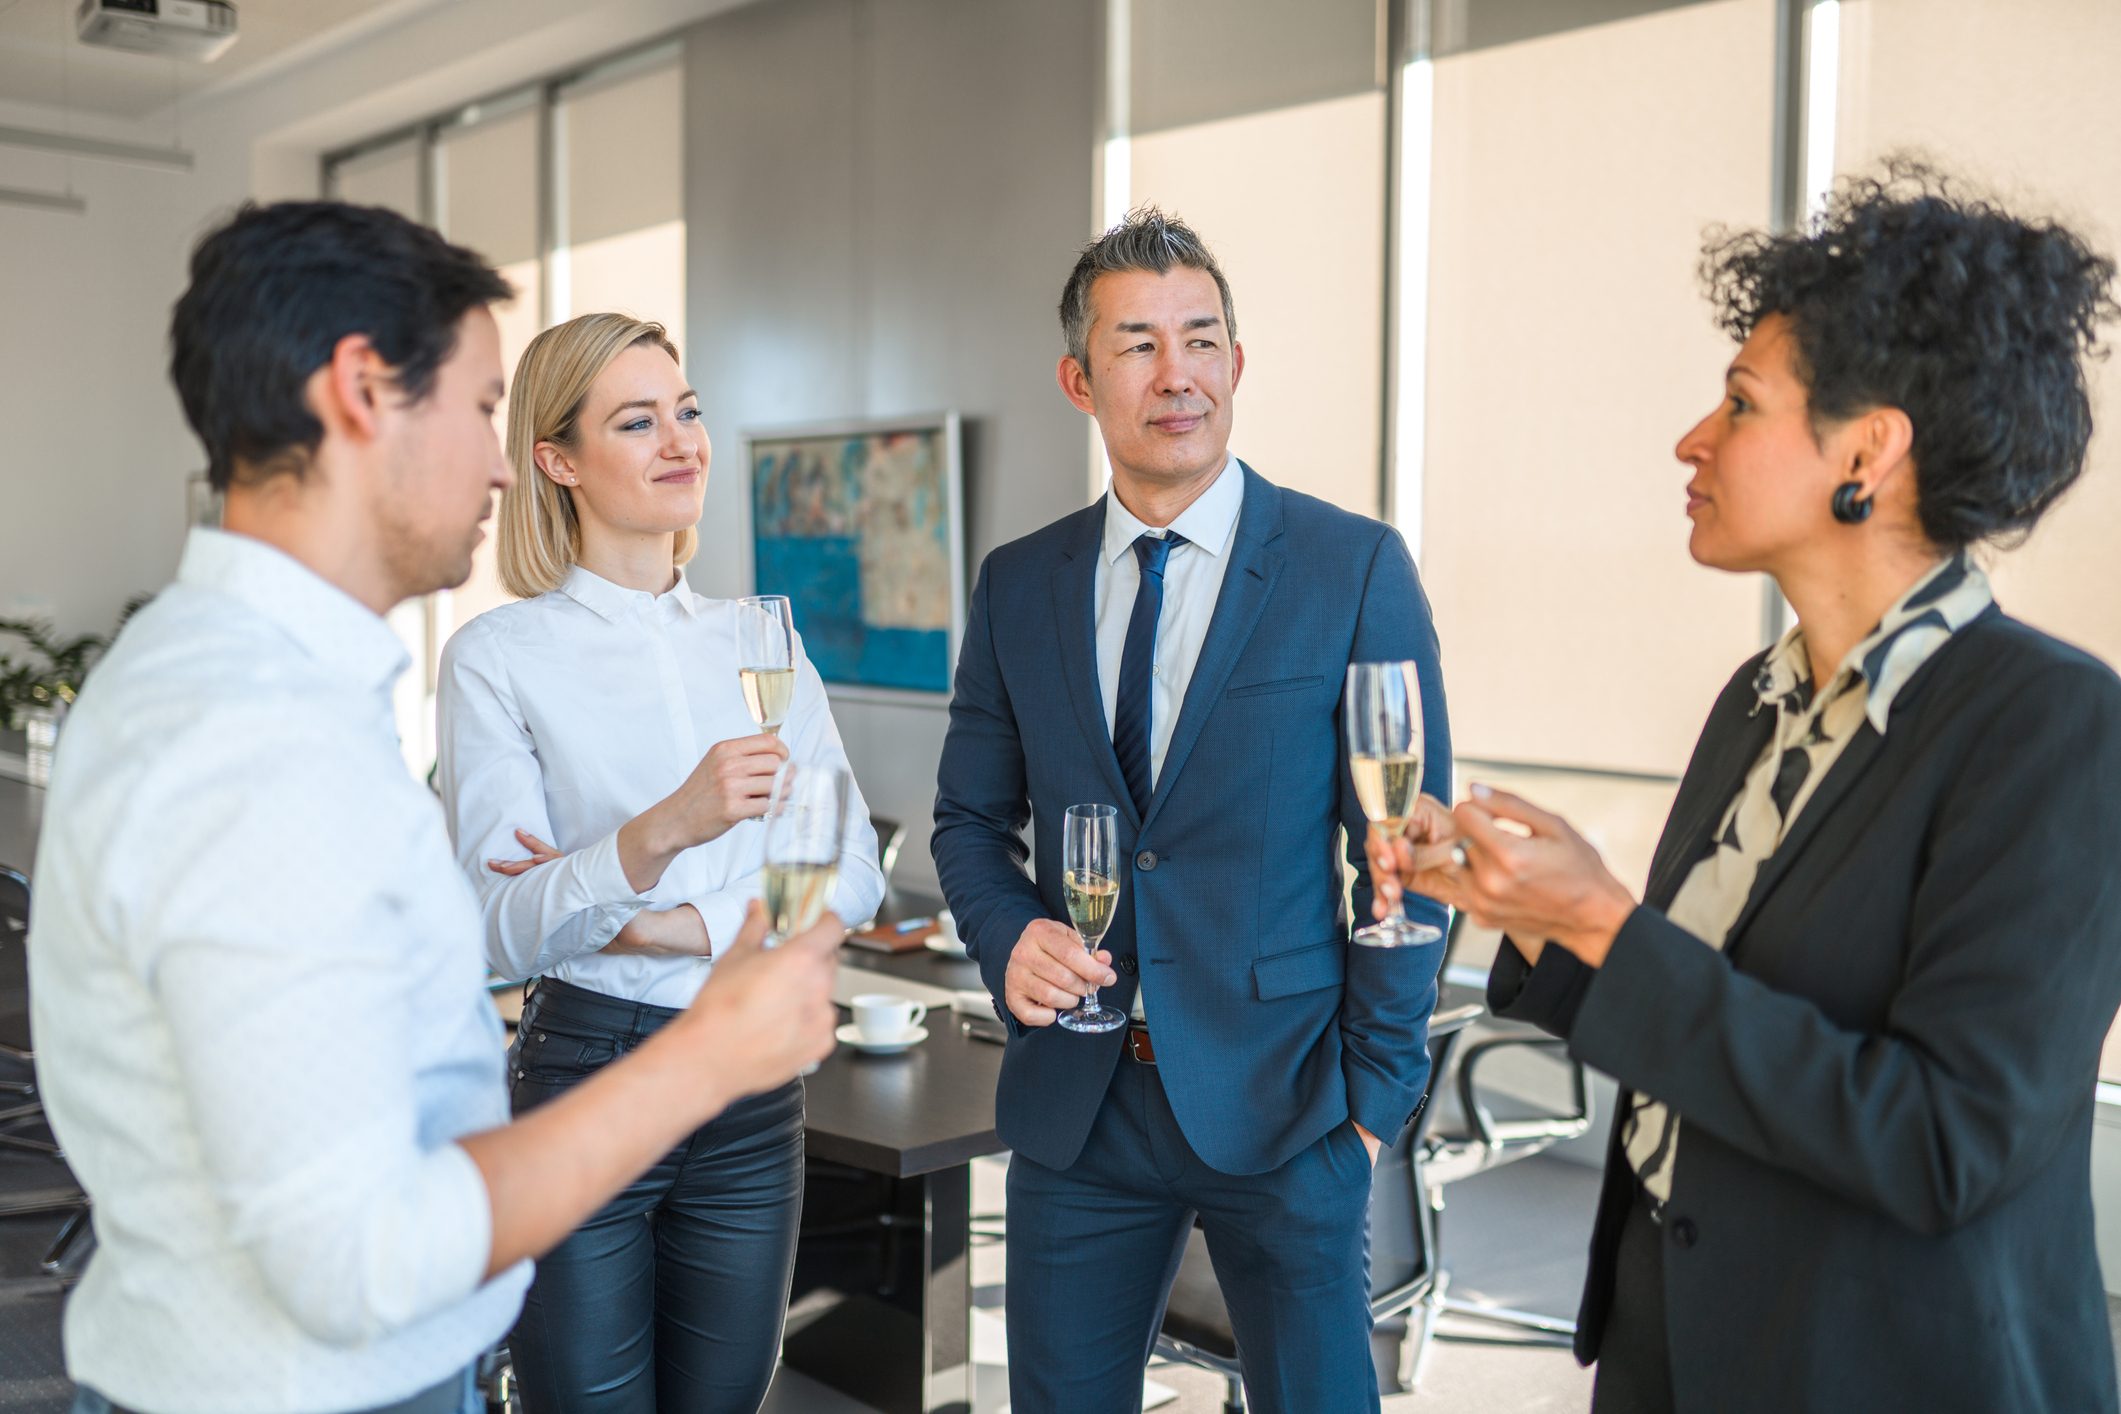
(1140, 1046)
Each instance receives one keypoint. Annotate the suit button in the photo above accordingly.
(1127, 965)
(1146, 860)
(1684, 1232)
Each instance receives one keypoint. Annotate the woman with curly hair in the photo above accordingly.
(1856, 1016)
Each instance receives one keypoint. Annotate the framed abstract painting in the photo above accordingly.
(860, 524)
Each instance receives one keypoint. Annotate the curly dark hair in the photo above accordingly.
(1905, 292)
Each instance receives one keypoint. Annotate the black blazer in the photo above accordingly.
(1882, 1199)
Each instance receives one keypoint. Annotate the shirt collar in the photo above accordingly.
(1938, 605)
(1208, 522)
(327, 623)
(614, 602)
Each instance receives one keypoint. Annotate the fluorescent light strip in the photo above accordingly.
(1822, 89)
(1119, 115)
(44, 200)
(168, 158)
(1417, 127)
(1116, 197)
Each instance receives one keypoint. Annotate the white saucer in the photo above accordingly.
(948, 947)
(851, 1035)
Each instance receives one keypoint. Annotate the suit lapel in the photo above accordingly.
(1849, 767)
(1841, 777)
(1726, 753)
(1075, 629)
(1248, 583)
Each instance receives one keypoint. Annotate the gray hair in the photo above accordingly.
(1146, 240)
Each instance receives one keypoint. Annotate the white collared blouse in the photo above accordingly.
(571, 713)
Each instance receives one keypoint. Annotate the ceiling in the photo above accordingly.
(42, 63)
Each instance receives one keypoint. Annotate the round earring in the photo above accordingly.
(1851, 506)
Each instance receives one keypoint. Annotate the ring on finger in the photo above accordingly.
(1459, 857)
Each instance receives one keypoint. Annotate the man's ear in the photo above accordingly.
(347, 392)
(1075, 384)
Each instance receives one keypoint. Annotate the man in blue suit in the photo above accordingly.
(1178, 650)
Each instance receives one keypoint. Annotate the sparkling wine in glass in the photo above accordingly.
(1384, 757)
(765, 655)
(1090, 882)
(804, 820)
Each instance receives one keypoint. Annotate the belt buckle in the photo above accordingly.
(1140, 1046)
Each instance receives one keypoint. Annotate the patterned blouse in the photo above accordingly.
(1811, 728)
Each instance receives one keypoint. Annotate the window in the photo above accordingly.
(486, 179)
(383, 176)
(608, 188)
(622, 214)
(1567, 349)
(1263, 125)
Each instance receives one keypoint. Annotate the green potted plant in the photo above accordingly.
(40, 675)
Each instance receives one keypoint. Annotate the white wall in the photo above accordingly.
(92, 475)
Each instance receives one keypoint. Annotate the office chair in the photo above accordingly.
(15, 1045)
(890, 834)
(1473, 1141)
(14, 1013)
(1403, 1270)
(14, 977)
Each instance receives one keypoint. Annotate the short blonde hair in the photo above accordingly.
(541, 535)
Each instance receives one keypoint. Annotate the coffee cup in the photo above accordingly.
(881, 1017)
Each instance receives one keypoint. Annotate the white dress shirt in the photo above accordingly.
(259, 1012)
(569, 714)
(1193, 580)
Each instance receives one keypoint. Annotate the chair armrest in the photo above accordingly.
(1520, 1133)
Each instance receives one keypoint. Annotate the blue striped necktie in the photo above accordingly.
(1130, 718)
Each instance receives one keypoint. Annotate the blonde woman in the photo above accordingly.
(603, 714)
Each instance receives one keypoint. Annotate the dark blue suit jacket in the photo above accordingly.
(1271, 1029)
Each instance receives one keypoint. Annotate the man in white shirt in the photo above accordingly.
(255, 969)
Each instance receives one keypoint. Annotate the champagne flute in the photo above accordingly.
(805, 817)
(1384, 757)
(765, 656)
(1090, 880)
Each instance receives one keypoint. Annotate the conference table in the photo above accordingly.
(881, 1308)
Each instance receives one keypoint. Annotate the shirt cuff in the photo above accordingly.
(457, 1226)
(723, 914)
(601, 879)
(1548, 993)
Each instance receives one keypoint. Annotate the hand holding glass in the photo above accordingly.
(1090, 881)
(1384, 757)
(765, 655)
(804, 821)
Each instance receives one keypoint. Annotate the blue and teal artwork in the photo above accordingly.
(855, 530)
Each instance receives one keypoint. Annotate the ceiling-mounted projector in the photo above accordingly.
(185, 29)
